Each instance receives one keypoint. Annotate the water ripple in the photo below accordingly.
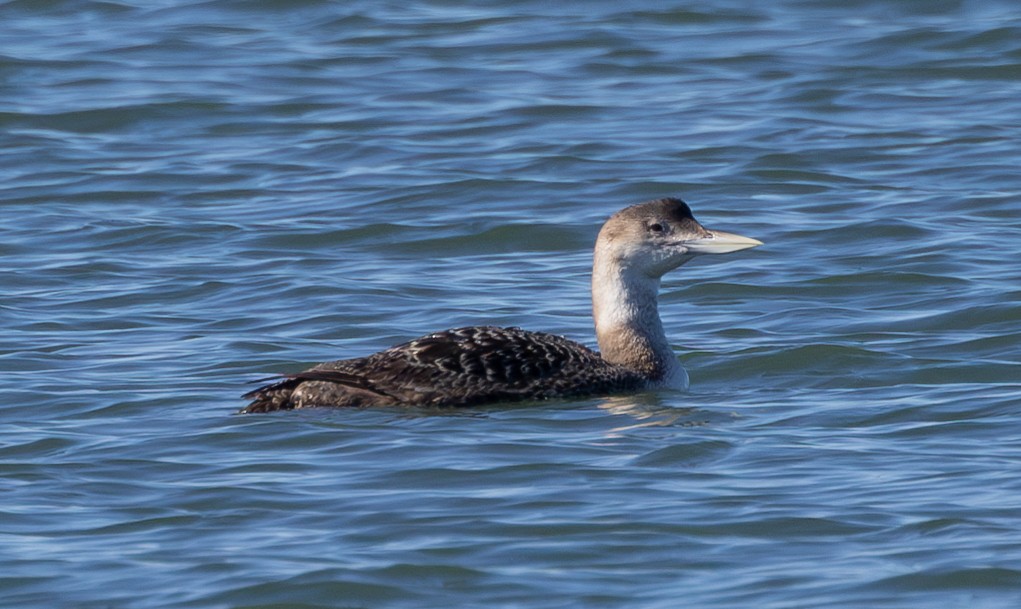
(199, 194)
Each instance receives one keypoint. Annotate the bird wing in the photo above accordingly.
(463, 365)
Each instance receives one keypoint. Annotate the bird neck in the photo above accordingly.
(628, 327)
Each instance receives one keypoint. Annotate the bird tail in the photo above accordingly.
(269, 398)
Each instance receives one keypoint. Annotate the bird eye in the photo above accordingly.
(656, 227)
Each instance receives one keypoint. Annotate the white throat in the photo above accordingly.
(628, 327)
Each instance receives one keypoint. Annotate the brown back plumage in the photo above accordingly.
(459, 367)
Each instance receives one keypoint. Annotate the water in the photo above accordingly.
(195, 195)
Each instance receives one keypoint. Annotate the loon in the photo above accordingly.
(485, 364)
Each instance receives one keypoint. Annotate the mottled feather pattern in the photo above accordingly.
(459, 367)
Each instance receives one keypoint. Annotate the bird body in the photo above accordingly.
(458, 367)
(485, 364)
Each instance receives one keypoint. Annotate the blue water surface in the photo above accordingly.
(197, 195)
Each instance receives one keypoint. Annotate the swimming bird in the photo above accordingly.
(484, 364)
